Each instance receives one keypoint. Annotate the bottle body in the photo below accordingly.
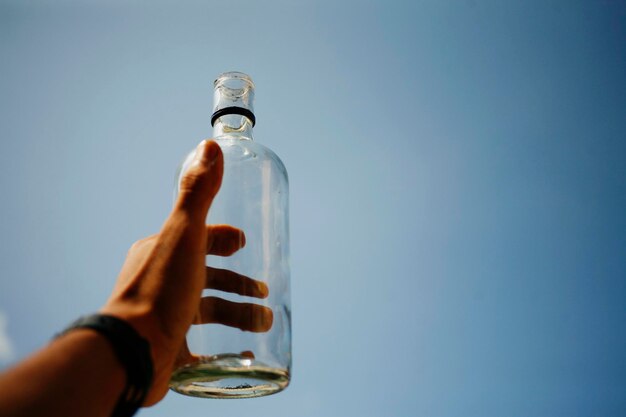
(233, 363)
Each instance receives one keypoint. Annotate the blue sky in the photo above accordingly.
(457, 174)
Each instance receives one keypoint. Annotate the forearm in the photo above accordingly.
(75, 375)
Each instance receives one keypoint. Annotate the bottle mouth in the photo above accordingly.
(236, 81)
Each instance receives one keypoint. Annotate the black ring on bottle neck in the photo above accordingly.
(233, 110)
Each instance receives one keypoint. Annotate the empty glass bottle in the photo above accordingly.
(233, 363)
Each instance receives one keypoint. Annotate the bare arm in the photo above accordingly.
(76, 375)
(158, 292)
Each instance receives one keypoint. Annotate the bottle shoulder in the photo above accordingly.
(248, 151)
(243, 153)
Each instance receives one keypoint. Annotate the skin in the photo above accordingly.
(159, 292)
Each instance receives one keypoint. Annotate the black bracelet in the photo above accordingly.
(132, 350)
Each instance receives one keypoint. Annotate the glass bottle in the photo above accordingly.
(232, 363)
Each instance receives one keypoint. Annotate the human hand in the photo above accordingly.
(159, 290)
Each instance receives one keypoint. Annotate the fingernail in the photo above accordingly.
(264, 291)
(212, 151)
(247, 354)
(207, 151)
(268, 319)
(200, 150)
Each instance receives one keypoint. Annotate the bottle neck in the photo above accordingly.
(232, 126)
(233, 110)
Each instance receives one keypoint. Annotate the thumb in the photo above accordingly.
(201, 181)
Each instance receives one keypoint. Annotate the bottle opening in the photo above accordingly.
(235, 84)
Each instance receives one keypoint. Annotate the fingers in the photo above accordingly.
(224, 240)
(229, 281)
(186, 357)
(245, 316)
(202, 180)
(248, 354)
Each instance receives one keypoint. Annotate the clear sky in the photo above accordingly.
(457, 173)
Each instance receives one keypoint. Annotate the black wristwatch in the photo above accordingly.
(132, 350)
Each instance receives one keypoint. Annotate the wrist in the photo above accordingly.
(163, 347)
(143, 320)
(132, 352)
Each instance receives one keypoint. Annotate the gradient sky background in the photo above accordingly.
(457, 173)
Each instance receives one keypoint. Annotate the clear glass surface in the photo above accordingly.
(253, 197)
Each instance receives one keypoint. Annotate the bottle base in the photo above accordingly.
(228, 376)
